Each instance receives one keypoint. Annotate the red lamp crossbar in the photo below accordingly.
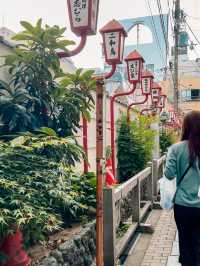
(77, 50)
(135, 103)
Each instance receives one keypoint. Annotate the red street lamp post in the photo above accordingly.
(83, 16)
(147, 82)
(134, 66)
(113, 41)
(83, 20)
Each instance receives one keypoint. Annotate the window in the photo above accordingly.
(190, 95)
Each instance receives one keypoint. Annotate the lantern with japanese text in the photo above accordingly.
(155, 93)
(134, 67)
(113, 42)
(171, 115)
(147, 82)
(162, 100)
(83, 16)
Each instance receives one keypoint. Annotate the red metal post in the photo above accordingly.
(77, 50)
(135, 103)
(109, 75)
(85, 143)
(99, 159)
(112, 123)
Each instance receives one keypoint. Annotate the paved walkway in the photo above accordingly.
(173, 259)
(163, 248)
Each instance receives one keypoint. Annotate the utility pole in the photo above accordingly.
(177, 19)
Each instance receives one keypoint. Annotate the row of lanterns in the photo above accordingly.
(83, 16)
(113, 43)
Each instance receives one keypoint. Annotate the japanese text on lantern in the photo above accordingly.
(134, 70)
(161, 103)
(79, 7)
(112, 43)
(155, 92)
(146, 85)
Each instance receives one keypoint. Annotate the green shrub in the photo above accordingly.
(167, 138)
(126, 151)
(39, 191)
(134, 146)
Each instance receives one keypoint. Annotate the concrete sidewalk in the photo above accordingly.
(173, 259)
(163, 248)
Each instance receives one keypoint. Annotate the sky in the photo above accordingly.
(54, 12)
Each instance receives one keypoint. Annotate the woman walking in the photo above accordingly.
(183, 163)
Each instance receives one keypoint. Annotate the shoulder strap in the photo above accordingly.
(185, 173)
(181, 179)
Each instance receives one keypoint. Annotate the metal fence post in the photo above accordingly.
(109, 227)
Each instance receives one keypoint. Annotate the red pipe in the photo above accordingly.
(135, 103)
(109, 75)
(112, 122)
(149, 109)
(144, 110)
(85, 143)
(76, 50)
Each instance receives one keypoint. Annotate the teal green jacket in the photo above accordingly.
(176, 164)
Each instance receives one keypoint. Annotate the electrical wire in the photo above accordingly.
(194, 35)
(155, 31)
(170, 17)
(162, 23)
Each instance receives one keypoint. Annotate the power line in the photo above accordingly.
(156, 34)
(192, 33)
(170, 17)
(162, 23)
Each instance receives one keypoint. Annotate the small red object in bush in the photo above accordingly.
(12, 248)
(110, 179)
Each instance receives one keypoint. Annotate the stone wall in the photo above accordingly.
(78, 251)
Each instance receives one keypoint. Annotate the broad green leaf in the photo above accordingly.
(28, 27)
(17, 141)
(48, 131)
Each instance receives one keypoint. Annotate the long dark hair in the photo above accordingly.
(191, 132)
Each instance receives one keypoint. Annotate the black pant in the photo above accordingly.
(188, 224)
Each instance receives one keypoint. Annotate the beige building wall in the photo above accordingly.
(185, 83)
